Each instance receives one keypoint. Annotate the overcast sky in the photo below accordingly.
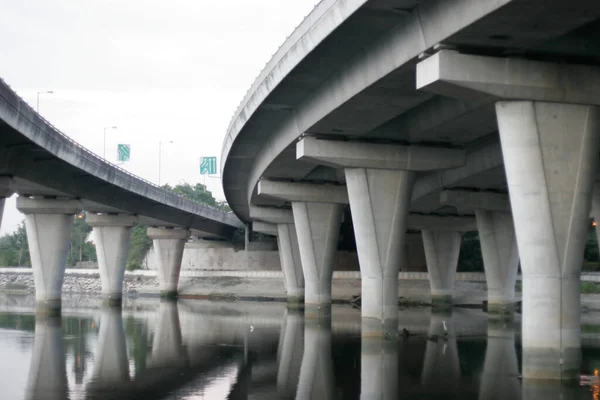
(158, 70)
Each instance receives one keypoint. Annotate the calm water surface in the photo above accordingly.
(206, 350)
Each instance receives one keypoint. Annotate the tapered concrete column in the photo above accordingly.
(5, 192)
(291, 264)
(379, 201)
(500, 258)
(289, 356)
(442, 249)
(441, 367)
(47, 378)
(167, 346)
(168, 247)
(551, 157)
(112, 234)
(500, 378)
(318, 228)
(49, 223)
(378, 368)
(316, 379)
(111, 366)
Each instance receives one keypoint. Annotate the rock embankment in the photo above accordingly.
(73, 283)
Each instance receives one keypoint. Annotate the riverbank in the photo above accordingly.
(413, 287)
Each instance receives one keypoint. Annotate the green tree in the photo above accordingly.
(139, 246)
(82, 249)
(198, 193)
(14, 249)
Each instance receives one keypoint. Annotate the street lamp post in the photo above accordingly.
(160, 157)
(108, 127)
(37, 104)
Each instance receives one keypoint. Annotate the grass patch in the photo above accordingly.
(586, 287)
(590, 288)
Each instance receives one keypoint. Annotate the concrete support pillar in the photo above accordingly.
(551, 157)
(500, 378)
(111, 365)
(168, 247)
(289, 356)
(49, 223)
(442, 249)
(441, 367)
(167, 345)
(291, 264)
(379, 201)
(318, 228)
(47, 378)
(378, 368)
(112, 234)
(500, 258)
(316, 379)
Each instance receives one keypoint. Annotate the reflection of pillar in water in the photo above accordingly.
(546, 389)
(500, 378)
(441, 367)
(378, 368)
(48, 373)
(316, 372)
(79, 349)
(167, 347)
(289, 356)
(111, 364)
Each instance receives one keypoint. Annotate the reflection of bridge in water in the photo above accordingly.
(285, 353)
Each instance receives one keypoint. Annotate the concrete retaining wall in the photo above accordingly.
(206, 255)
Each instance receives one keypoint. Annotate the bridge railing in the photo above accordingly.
(96, 157)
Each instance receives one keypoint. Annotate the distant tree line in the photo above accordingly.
(14, 249)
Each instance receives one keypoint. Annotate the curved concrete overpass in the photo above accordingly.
(438, 116)
(38, 160)
(56, 178)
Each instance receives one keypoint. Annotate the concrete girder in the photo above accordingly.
(335, 153)
(465, 76)
(465, 200)
(272, 215)
(481, 160)
(309, 192)
(421, 31)
(264, 228)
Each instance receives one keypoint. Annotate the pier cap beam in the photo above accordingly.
(306, 192)
(264, 228)
(272, 215)
(378, 156)
(465, 76)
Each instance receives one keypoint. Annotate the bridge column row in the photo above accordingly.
(549, 127)
(49, 224)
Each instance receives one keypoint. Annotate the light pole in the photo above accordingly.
(108, 127)
(37, 104)
(160, 158)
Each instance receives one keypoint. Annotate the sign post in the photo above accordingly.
(208, 166)
(123, 152)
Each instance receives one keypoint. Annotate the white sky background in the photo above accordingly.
(158, 70)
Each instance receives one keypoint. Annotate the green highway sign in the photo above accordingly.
(208, 165)
(123, 152)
